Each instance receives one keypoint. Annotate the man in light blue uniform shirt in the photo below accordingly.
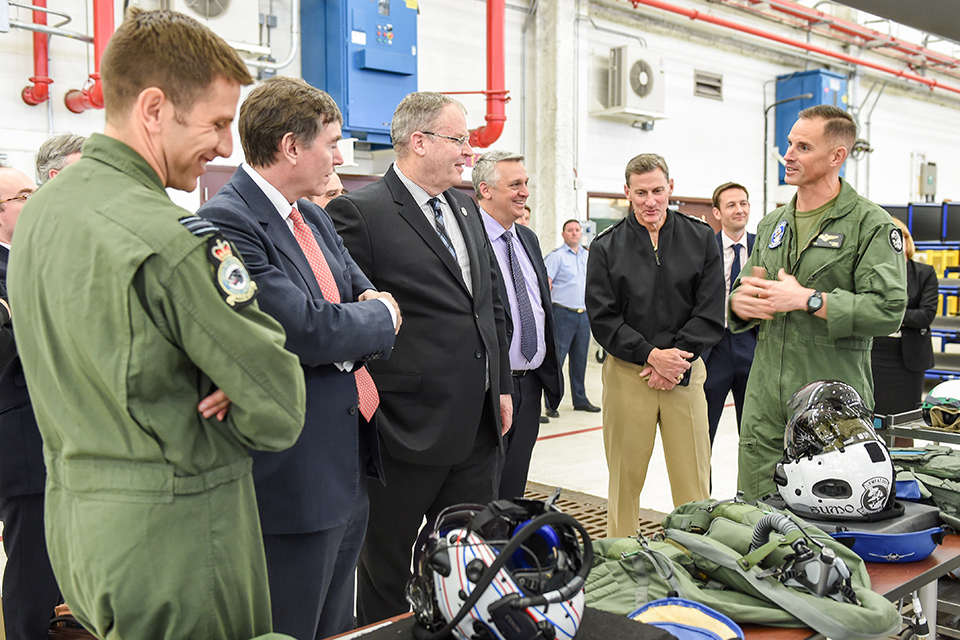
(500, 181)
(567, 269)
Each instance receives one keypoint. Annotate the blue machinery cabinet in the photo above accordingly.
(827, 88)
(364, 54)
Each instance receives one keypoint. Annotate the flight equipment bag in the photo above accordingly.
(705, 555)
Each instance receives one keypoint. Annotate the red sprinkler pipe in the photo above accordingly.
(693, 14)
(496, 93)
(40, 91)
(91, 97)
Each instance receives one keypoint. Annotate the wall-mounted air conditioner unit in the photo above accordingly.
(635, 86)
(236, 21)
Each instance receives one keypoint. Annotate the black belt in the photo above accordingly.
(519, 373)
(568, 308)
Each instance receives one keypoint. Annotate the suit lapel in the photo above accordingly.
(413, 214)
(275, 227)
(462, 215)
(531, 250)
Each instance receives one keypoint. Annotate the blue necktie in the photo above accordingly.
(528, 328)
(442, 228)
(735, 269)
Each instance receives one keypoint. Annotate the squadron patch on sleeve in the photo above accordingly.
(896, 240)
(776, 239)
(229, 273)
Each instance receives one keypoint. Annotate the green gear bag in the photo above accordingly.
(938, 469)
(702, 559)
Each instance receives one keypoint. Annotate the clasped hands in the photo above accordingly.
(759, 298)
(665, 368)
(371, 294)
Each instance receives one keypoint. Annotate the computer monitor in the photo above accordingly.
(899, 211)
(951, 222)
(926, 222)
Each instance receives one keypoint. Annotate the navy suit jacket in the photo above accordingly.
(434, 387)
(549, 369)
(748, 339)
(313, 485)
(22, 470)
(743, 259)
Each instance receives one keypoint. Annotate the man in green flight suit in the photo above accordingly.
(829, 275)
(137, 327)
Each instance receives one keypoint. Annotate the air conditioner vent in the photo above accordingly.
(708, 85)
(635, 89)
(209, 8)
(641, 78)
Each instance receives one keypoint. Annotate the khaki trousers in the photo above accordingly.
(631, 413)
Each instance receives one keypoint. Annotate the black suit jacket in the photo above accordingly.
(922, 299)
(549, 369)
(313, 485)
(22, 470)
(434, 387)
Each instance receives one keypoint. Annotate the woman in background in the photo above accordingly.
(900, 360)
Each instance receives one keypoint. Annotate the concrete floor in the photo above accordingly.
(569, 453)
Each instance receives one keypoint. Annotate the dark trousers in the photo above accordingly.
(728, 367)
(519, 441)
(312, 577)
(30, 590)
(397, 511)
(573, 338)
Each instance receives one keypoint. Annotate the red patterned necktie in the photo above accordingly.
(366, 389)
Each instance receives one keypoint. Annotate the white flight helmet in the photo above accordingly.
(507, 571)
(834, 466)
(941, 407)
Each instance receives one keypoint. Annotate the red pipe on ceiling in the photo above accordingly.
(496, 93)
(91, 96)
(693, 14)
(40, 91)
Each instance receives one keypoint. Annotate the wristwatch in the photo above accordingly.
(814, 302)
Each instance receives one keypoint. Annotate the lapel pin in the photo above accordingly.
(463, 210)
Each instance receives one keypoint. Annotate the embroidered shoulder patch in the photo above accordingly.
(229, 273)
(896, 240)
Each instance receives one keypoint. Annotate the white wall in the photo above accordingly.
(706, 142)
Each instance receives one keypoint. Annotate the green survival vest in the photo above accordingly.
(706, 557)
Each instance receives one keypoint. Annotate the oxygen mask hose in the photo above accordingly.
(821, 573)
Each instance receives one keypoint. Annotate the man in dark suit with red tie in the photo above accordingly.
(445, 392)
(728, 362)
(500, 181)
(312, 497)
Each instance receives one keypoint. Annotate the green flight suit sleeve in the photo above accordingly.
(876, 306)
(735, 322)
(240, 349)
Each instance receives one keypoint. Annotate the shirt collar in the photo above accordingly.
(494, 229)
(419, 194)
(729, 242)
(273, 194)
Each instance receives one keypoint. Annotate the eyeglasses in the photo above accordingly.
(460, 141)
(23, 197)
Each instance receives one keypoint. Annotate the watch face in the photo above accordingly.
(814, 302)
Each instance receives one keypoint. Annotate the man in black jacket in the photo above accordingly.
(445, 391)
(655, 301)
